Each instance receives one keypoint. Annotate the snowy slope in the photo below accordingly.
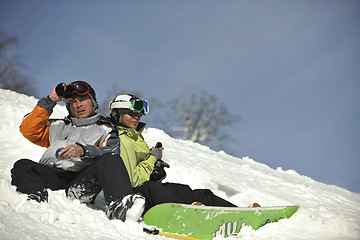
(327, 212)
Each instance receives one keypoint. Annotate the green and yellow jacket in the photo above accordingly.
(136, 154)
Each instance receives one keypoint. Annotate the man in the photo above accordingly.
(82, 146)
(141, 163)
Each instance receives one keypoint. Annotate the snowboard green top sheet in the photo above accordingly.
(207, 222)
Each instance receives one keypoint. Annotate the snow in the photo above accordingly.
(326, 212)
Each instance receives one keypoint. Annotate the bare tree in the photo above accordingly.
(199, 117)
(11, 76)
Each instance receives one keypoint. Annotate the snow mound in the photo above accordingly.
(326, 212)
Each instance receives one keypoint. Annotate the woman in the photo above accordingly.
(126, 111)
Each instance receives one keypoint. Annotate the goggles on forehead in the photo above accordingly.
(72, 90)
(136, 105)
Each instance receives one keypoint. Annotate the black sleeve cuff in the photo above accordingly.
(47, 103)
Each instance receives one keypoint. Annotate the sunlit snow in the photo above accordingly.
(326, 212)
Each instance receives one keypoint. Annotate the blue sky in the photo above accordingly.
(289, 69)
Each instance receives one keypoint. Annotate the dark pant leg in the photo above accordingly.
(156, 193)
(29, 177)
(208, 198)
(33, 179)
(107, 173)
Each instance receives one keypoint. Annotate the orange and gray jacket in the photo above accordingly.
(95, 134)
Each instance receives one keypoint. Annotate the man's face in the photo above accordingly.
(131, 119)
(81, 106)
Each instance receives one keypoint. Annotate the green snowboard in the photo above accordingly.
(207, 222)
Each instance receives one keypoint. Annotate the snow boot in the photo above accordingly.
(135, 211)
(39, 196)
(129, 208)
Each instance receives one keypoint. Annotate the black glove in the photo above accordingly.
(159, 173)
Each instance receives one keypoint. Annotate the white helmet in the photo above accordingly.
(127, 102)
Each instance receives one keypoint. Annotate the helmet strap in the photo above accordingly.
(116, 116)
(95, 104)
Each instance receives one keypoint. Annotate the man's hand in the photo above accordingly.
(53, 96)
(71, 151)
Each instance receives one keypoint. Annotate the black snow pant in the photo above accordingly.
(107, 173)
(156, 193)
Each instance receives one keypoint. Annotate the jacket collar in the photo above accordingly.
(79, 122)
(141, 127)
(130, 131)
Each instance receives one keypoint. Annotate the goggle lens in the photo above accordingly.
(140, 105)
(72, 90)
(78, 88)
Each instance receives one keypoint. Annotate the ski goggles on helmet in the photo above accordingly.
(135, 105)
(140, 106)
(72, 90)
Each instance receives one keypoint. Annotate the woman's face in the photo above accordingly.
(131, 119)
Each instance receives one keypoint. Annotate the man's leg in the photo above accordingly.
(33, 178)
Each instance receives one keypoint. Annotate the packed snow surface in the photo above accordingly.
(326, 212)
